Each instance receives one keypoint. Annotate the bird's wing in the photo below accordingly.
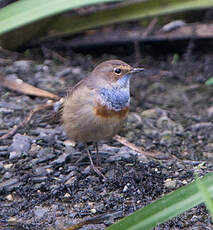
(71, 89)
(56, 116)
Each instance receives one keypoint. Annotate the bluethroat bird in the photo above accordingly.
(96, 107)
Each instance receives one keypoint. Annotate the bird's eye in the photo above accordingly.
(117, 71)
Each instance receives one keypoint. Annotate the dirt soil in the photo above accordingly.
(42, 186)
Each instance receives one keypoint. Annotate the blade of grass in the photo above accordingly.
(205, 195)
(29, 12)
(22, 12)
(165, 208)
(209, 81)
(67, 25)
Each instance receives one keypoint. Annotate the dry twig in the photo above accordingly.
(132, 146)
(92, 220)
(145, 34)
(26, 120)
(25, 88)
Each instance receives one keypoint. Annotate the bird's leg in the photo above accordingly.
(92, 164)
(97, 154)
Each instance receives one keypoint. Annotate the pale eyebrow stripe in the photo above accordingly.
(124, 67)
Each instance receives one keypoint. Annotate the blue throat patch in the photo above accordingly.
(118, 97)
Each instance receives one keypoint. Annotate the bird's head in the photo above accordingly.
(115, 73)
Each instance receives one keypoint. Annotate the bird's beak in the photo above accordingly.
(137, 70)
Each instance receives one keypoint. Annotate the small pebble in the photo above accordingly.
(64, 72)
(61, 159)
(12, 219)
(149, 113)
(126, 187)
(93, 210)
(15, 155)
(169, 183)
(20, 145)
(8, 175)
(8, 166)
(201, 125)
(9, 197)
(66, 195)
(23, 65)
(8, 185)
(39, 211)
(173, 25)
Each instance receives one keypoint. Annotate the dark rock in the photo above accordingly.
(61, 159)
(41, 171)
(22, 65)
(165, 123)
(11, 106)
(111, 174)
(73, 214)
(126, 153)
(1, 165)
(38, 179)
(11, 70)
(64, 72)
(4, 154)
(5, 111)
(8, 185)
(67, 177)
(21, 145)
(15, 155)
(40, 211)
(86, 170)
(201, 125)
(44, 155)
(113, 158)
(126, 187)
(3, 148)
(69, 149)
(71, 181)
(167, 138)
(8, 175)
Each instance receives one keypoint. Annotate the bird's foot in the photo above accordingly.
(93, 166)
(98, 171)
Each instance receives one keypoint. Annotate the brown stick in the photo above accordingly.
(26, 120)
(92, 220)
(132, 146)
(150, 28)
(145, 34)
(22, 87)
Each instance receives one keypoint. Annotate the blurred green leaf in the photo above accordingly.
(210, 81)
(68, 25)
(176, 58)
(165, 208)
(24, 12)
(205, 195)
(28, 13)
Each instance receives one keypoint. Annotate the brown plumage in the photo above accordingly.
(96, 108)
(104, 112)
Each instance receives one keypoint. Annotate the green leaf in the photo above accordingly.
(210, 81)
(43, 20)
(24, 12)
(68, 25)
(165, 208)
(205, 195)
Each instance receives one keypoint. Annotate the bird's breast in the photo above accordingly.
(104, 112)
(115, 99)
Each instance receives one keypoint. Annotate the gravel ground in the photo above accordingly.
(42, 186)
